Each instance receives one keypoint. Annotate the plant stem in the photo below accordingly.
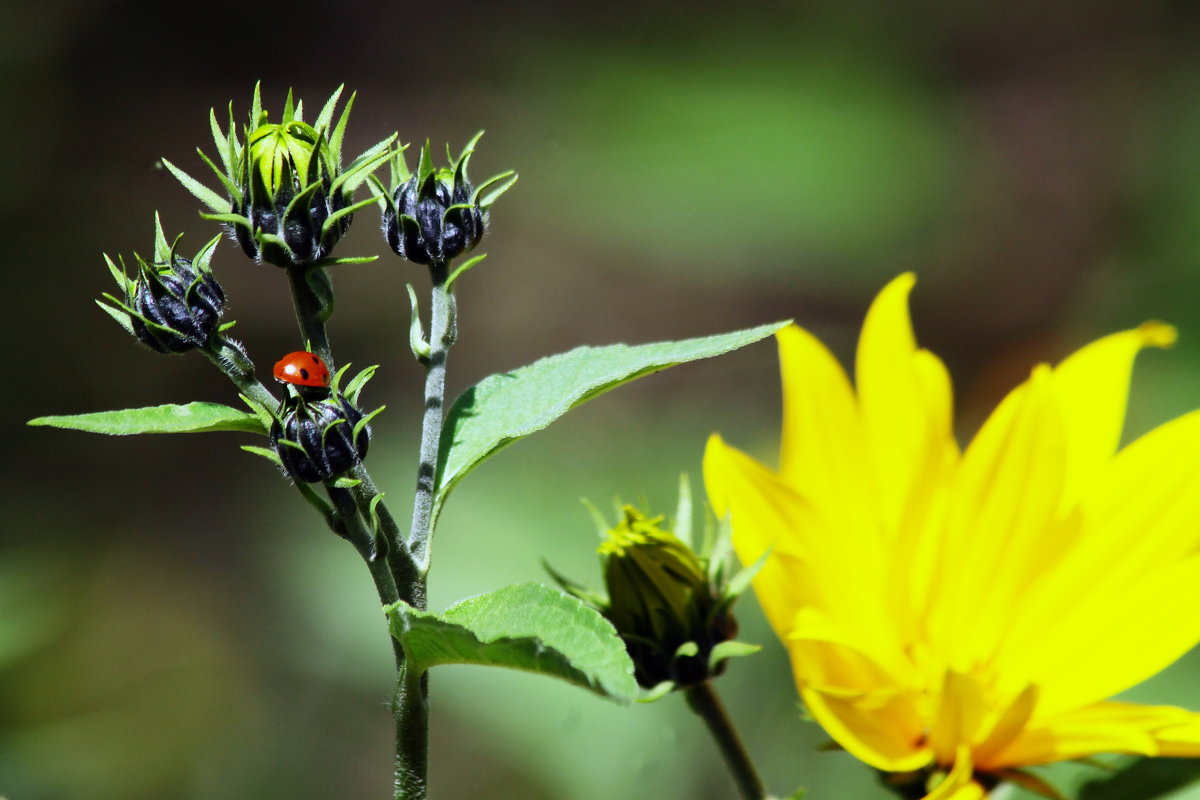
(410, 707)
(442, 333)
(404, 570)
(237, 366)
(311, 310)
(702, 698)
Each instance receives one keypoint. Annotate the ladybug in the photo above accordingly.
(303, 370)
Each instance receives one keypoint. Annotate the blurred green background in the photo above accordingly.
(174, 624)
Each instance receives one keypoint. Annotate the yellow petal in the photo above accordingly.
(1180, 741)
(1113, 640)
(1003, 503)
(840, 571)
(822, 449)
(960, 783)
(904, 396)
(1093, 388)
(881, 727)
(1099, 728)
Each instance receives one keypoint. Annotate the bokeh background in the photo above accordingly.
(174, 624)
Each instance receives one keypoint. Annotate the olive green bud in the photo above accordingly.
(662, 603)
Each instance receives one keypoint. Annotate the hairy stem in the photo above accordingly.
(404, 570)
(702, 698)
(311, 309)
(411, 703)
(442, 333)
(410, 707)
(231, 359)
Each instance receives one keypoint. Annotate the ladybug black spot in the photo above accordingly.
(303, 373)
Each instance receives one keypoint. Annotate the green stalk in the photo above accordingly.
(442, 333)
(238, 367)
(702, 698)
(410, 708)
(311, 311)
(410, 705)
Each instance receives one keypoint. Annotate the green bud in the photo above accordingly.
(662, 603)
(287, 198)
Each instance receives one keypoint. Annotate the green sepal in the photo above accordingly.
(187, 418)
(235, 194)
(687, 650)
(333, 218)
(682, 527)
(355, 387)
(339, 130)
(321, 284)
(228, 218)
(740, 582)
(120, 275)
(528, 627)
(575, 589)
(383, 197)
(199, 190)
(360, 168)
(266, 452)
(333, 262)
(497, 184)
(730, 649)
(417, 342)
(116, 312)
(336, 383)
(373, 514)
(505, 408)
(364, 422)
(325, 115)
(657, 692)
(462, 268)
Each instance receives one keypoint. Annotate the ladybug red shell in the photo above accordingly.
(302, 368)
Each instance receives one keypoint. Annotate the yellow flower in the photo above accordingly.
(966, 614)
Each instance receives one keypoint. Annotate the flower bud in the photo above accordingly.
(174, 304)
(289, 199)
(318, 440)
(288, 196)
(662, 603)
(436, 214)
(181, 305)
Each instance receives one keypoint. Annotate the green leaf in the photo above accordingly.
(1144, 779)
(528, 627)
(188, 418)
(506, 407)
